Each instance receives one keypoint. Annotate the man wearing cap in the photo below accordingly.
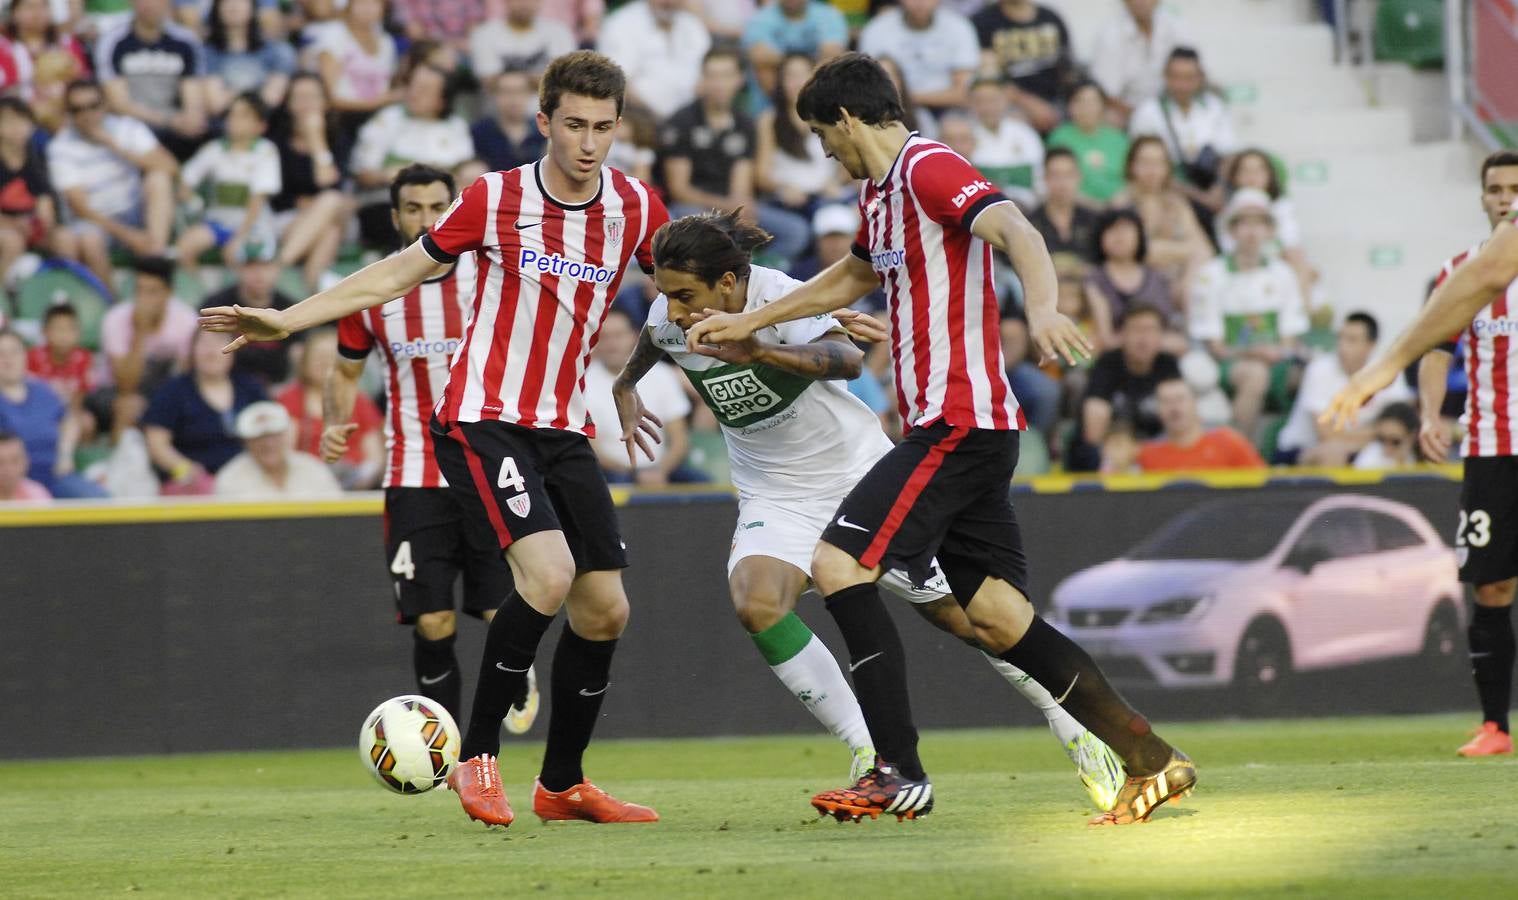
(267, 468)
(1247, 310)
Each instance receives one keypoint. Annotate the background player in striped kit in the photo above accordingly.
(427, 544)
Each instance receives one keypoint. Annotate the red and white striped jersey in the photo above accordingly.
(1491, 367)
(945, 321)
(547, 273)
(417, 336)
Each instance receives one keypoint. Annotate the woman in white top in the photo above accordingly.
(789, 163)
(1253, 168)
(356, 59)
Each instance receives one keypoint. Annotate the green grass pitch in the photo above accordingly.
(1349, 807)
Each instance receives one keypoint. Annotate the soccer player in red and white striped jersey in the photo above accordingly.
(551, 241)
(930, 220)
(1476, 297)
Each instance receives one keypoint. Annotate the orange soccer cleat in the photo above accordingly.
(1489, 740)
(1140, 795)
(478, 784)
(588, 802)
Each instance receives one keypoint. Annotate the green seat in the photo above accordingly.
(1270, 436)
(1032, 453)
(1411, 31)
(708, 452)
(57, 283)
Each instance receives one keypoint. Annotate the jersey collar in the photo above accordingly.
(537, 175)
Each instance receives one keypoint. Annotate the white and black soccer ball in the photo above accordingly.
(409, 744)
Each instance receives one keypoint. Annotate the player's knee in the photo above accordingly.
(758, 608)
(603, 622)
(946, 615)
(435, 626)
(1498, 593)
(545, 585)
(833, 570)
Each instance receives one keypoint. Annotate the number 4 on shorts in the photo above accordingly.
(510, 477)
(402, 565)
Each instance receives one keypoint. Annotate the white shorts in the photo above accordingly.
(788, 530)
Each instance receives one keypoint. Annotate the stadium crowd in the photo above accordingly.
(157, 156)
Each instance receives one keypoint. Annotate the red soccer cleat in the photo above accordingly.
(1489, 740)
(588, 802)
(478, 784)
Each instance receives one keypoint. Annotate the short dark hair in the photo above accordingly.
(255, 103)
(60, 309)
(708, 245)
(1496, 160)
(1060, 153)
(1081, 86)
(1106, 221)
(1372, 327)
(160, 267)
(416, 174)
(8, 436)
(80, 84)
(18, 106)
(583, 72)
(1400, 412)
(855, 81)
(1184, 54)
(1141, 309)
(723, 50)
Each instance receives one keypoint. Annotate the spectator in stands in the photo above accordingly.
(268, 362)
(708, 150)
(196, 16)
(267, 468)
(311, 208)
(1036, 392)
(146, 339)
(239, 58)
(581, 17)
(724, 19)
(662, 395)
(914, 117)
(957, 132)
(1122, 386)
(188, 424)
(15, 487)
(1196, 125)
(28, 207)
(523, 39)
(661, 48)
(154, 71)
(508, 136)
(810, 28)
(237, 176)
(1130, 52)
(1395, 439)
(1100, 148)
(1247, 309)
(58, 59)
(790, 167)
(1121, 277)
(30, 409)
(637, 145)
(357, 61)
(1253, 168)
(419, 129)
(363, 465)
(66, 367)
(1185, 444)
(448, 22)
(1303, 440)
(1029, 45)
(1007, 150)
(116, 180)
(936, 48)
(1176, 242)
(1062, 219)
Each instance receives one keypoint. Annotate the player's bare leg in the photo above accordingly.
(764, 591)
(597, 613)
(1491, 646)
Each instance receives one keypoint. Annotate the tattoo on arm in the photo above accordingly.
(825, 359)
(644, 357)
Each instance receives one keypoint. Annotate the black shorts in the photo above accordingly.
(943, 490)
(1486, 541)
(427, 547)
(515, 481)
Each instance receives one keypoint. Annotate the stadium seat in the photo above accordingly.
(1033, 454)
(708, 452)
(60, 281)
(1411, 31)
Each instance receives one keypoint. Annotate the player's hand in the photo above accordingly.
(1434, 439)
(641, 429)
(735, 353)
(335, 441)
(863, 327)
(717, 327)
(1344, 409)
(247, 322)
(1056, 336)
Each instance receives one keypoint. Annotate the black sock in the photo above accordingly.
(437, 671)
(1491, 639)
(581, 677)
(1072, 676)
(511, 645)
(878, 665)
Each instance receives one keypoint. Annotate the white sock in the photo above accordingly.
(813, 676)
(1064, 726)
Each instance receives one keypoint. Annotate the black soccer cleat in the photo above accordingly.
(881, 790)
(1140, 796)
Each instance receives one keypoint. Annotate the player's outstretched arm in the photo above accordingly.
(1004, 227)
(391, 277)
(833, 288)
(830, 357)
(639, 426)
(338, 399)
(1434, 435)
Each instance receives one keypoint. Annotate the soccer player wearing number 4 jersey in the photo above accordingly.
(798, 442)
(551, 240)
(929, 222)
(428, 543)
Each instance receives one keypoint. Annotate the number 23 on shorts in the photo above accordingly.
(1475, 529)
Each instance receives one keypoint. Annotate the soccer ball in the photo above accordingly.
(409, 744)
